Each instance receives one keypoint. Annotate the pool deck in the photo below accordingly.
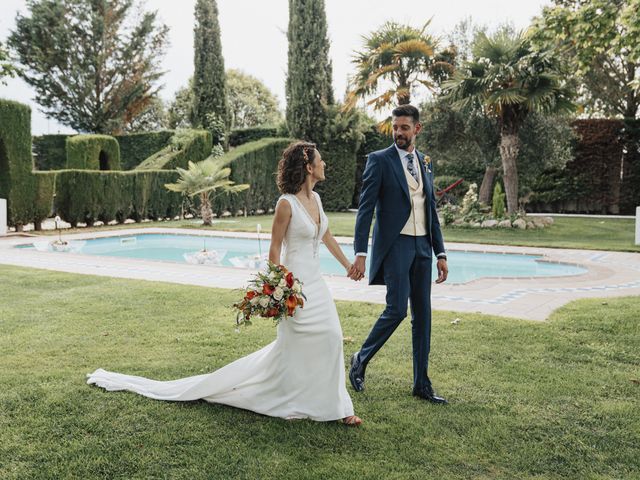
(610, 274)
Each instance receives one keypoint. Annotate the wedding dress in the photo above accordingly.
(299, 375)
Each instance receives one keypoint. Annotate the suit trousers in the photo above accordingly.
(407, 275)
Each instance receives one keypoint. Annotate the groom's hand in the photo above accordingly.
(443, 270)
(359, 267)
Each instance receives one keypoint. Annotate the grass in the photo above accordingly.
(567, 232)
(557, 399)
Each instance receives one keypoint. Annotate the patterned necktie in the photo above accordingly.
(411, 167)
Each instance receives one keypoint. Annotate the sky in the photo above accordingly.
(253, 34)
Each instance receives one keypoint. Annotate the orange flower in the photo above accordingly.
(292, 302)
(267, 289)
(250, 294)
(289, 279)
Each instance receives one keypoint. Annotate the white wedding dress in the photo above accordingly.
(300, 375)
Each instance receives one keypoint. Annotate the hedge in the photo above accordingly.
(255, 163)
(93, 152)
(185, 146)
(137, 147)
(374, 140)
(337, 190)
(602, 178)
(89, 195)
(17, 184)
(50, 151)
(240, 136)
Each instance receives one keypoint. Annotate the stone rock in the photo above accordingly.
(476, 224)
(531, 225)
(547, 220)
(489, 224)
(538, 222)
(505, 223)
(520, 223)
(458, 222)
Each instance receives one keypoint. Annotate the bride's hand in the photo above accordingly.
(352, 273)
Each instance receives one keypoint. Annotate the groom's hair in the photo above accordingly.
(407, 111)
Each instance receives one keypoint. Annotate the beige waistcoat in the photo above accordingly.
(417, 223)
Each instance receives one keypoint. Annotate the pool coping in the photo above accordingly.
(534, 298)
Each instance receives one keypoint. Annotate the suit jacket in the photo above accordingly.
(385, 189)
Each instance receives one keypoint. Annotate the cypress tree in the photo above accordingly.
(309, 90)
(209, 78)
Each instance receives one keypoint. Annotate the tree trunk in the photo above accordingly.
(509, 148)
(404, 98)
(487, 185)
(205, 210)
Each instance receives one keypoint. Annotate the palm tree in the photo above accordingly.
(204, 179)
(401, 57)
(508, 79)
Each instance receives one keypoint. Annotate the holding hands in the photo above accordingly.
(357, 269)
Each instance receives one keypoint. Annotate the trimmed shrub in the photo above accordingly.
(93, 152)
(50, 152)
(601, 178)
(497, 208)
(45, 188)
(84, 196)
(337, 190)
(17, 184)
(240, 136)
(185, 146)
(373, 141)
(255, 163)
(137, 147)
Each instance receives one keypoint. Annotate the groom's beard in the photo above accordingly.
(403, 142)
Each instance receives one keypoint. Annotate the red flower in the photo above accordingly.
(272, 312)
(267, 289)
(289, 279)
(250, 294)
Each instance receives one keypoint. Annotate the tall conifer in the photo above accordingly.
(309, 90)
(209, 78)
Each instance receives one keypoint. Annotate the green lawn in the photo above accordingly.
(567, 232)
(557, 399)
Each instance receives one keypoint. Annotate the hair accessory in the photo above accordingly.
(304, 154)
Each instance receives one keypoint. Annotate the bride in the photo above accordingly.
(301, 374)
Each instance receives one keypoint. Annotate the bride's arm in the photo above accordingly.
(281, 219)
(332, 245)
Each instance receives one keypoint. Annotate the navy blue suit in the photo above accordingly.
(401, 262)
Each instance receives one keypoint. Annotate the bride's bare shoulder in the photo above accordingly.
(283, 206)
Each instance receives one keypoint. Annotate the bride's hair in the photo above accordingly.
(292, 166)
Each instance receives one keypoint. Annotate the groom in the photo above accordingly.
(398, 183)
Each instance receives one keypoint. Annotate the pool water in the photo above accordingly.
(463, 266)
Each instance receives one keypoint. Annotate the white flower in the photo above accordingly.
(283, 283)
(278, 293)
(272, 275)
(297, 287)
(254, 301)
(264, 302)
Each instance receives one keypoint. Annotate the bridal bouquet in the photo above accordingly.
(274, 293)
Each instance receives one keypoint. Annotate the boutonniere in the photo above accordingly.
(426, 160)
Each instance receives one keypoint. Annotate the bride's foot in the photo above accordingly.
(352, 421)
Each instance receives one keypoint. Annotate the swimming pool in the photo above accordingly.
(463, 266)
